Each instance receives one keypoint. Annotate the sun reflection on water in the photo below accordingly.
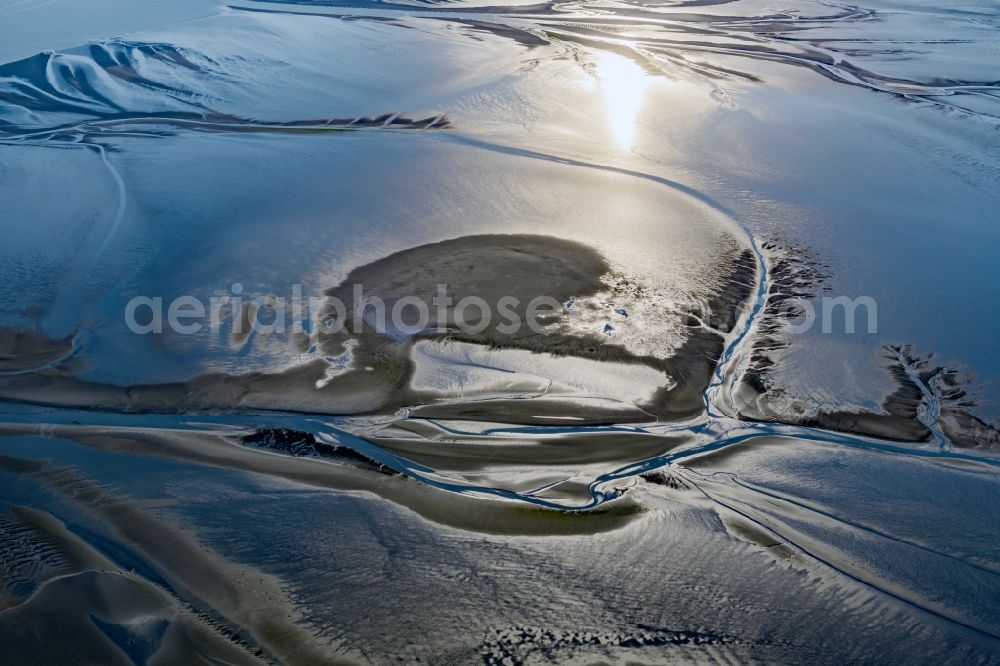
(624, 84)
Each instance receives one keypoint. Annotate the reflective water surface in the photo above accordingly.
(676, 469)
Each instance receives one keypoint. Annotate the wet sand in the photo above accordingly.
(666, 474)
(23, 351)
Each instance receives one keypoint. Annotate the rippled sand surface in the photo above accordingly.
(671, 470)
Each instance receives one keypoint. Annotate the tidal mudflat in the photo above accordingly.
(694, 360)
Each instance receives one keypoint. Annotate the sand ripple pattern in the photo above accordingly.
(135, 87)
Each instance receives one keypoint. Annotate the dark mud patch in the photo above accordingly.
(518, 35)
(526, 267)
(696, 360)
(377, 376)
(300, 444)
(24, 350)
(521, 644)
(665, 478)
(940, 398)
(794, 275)
(930, 401)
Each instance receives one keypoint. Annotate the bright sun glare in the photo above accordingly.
(624, 84)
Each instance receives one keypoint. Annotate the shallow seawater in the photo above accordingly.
(758, 421)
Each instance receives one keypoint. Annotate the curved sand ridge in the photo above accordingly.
(137, 88)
